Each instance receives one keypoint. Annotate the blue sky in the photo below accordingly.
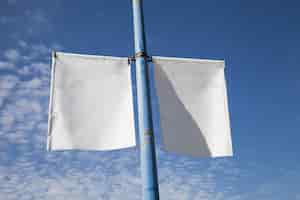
(260, 43)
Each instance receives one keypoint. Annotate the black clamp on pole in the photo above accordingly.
(54, 54)
(139, 55)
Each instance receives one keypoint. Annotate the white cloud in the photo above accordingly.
(22, 44)
(22, 102)
(7, 83)
(12, 2)
(41, 49)
(33, 22)
(32, 84)
(5, 19)
(6, 65)
(115, 177)
(16, 137)
(12, 55)
(28, 106)
(38, 16)
(38, 51)
(42, 67)
(38, 21)
(25, 70)
(6, 120)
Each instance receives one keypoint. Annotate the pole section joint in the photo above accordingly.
(139, 55)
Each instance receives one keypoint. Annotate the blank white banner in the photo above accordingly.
(91, 105)
(193, 106)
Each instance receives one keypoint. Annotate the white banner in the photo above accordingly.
(193, 106)
(91, 106)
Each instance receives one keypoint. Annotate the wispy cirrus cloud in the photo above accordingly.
(12, 2)
(6, 19)
(6, 65)
(7, 83)
(24, 91)
(37, 16)
(38, 21)
(22, 44)
(12, 55)
(33, 22)
(36, 51)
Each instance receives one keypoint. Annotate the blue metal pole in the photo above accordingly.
(146, 136)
